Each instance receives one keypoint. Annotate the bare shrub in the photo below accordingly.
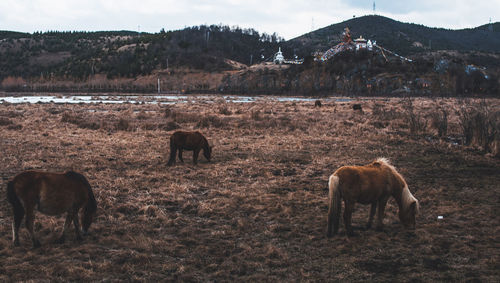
(184, 117)
(224, 110)
(15, 127)
(256, 115)
(480, 126)
(382, 113)
(416, 122)
(142, 115)
(439, 120)
(122, 125)
(69, 117)
(149, 126)
(168, 111)
(210, 120)
(54, 111)
(171, 125)
(5, 121)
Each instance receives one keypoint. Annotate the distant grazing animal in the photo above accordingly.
(194, 141)
(370, 184)
(51, 194)
(357, 107)
(317, 103)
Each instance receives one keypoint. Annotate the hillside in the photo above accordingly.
(404, 38)
(79, 55)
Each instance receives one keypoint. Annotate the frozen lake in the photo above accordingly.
(152, 99)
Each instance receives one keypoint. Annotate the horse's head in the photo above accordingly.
(407, 216)
(88, 216)
(207, 152)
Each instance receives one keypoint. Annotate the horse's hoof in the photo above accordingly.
(79, 238)
(16, 244)
(36, 244)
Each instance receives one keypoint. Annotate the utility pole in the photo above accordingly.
(158, 85)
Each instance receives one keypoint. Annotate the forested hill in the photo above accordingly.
(130, 54)
(404, 38)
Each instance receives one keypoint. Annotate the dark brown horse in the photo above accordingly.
(370, 184)
(194, 141)
(51, 194)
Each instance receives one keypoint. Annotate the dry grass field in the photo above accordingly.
(257, 211)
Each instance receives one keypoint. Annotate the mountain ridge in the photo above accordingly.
(404, 38)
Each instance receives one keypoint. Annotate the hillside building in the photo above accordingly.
(360, 43)
(278, 57)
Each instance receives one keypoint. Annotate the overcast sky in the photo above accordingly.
(288, 19)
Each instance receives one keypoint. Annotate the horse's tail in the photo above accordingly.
(13, 199)
(173, 150)
(334, 205)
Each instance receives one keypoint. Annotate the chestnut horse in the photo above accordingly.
(51, 194)
(370, 184)
(194, 141)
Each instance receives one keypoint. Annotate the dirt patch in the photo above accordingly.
(257, 211)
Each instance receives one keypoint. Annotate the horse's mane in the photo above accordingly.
(406, 196)
(92, 204)
(386, 162)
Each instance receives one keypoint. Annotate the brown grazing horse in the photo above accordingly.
(370, 184)
(51, 194)
(194, 141)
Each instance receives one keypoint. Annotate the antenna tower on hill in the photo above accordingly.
(374, 7)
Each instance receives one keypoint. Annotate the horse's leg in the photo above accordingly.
(18, 218)
(196, 152)
(373, 209)
(67, 222)
(77, 226)
(349, 207)
(180, 155)
(173, 152)
(381, 213)
(30, 218)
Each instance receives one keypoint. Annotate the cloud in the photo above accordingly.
(287, 18)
